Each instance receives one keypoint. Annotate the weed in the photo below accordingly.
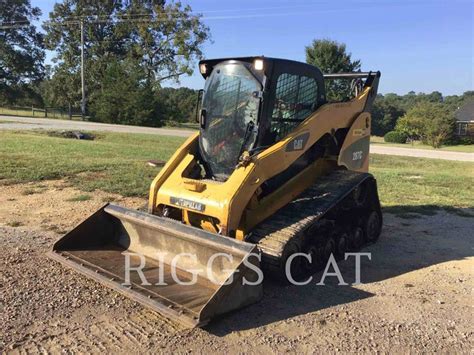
(14, 224)
(80, 198)
(32, 191)
(28, 192)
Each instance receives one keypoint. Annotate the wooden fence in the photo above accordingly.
(45, 112)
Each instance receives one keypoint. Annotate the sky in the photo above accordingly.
(419, 45)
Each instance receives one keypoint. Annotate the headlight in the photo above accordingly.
(258, 64)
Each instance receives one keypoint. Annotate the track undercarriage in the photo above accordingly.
(339, 213)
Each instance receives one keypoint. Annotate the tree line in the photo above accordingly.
(134, 49)
(399, 118)
(418, 116)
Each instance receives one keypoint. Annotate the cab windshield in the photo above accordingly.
(230, 105)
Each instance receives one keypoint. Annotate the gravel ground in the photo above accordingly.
(416, 294)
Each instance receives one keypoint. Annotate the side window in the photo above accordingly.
(295, 99)
(462, 129)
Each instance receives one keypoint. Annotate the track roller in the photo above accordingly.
(372, 227)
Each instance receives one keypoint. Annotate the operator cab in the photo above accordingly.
(250, 103)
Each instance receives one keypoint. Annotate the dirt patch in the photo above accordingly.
(53, 205)
(92, 175)
(415, 296)
(71, 135)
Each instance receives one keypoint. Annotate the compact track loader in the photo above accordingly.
(274, 170)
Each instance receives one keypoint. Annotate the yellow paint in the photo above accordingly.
(235, 203)
(362, 126)
(193, 185)
(268, 205)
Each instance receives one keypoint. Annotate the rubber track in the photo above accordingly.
(273, 234)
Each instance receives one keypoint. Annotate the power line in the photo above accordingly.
(78, 22)
(129, 16)
(13, 22)
(149, 20)
(12, 27)
(241, 13)
(196, 12)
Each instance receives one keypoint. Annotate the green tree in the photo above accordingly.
(163, 40)
(411, 125)
(332, 57)
(468, 95)
(432, 122)
(178, 105)
(21, 50)
(435, 96)
(456, 101)
(385, 114)
(387, 111)
(124, 97)
(61, 89)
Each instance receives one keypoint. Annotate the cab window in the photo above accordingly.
(295, 99)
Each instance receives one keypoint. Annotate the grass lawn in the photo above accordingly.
(116, 162)
(113, 162)
(418, 145)
(418, 185)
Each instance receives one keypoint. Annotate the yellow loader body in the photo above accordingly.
(218, 215)
(229, 203)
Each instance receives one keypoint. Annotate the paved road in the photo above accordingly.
(25, 123)
(28, 123)
(421, 153)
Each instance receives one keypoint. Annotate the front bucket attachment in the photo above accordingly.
(136, 254)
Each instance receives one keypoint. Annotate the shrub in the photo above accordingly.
(466, 140)
(456, 140)
(395, 137)
(432, 122)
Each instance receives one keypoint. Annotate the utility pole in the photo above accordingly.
(83, 89)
